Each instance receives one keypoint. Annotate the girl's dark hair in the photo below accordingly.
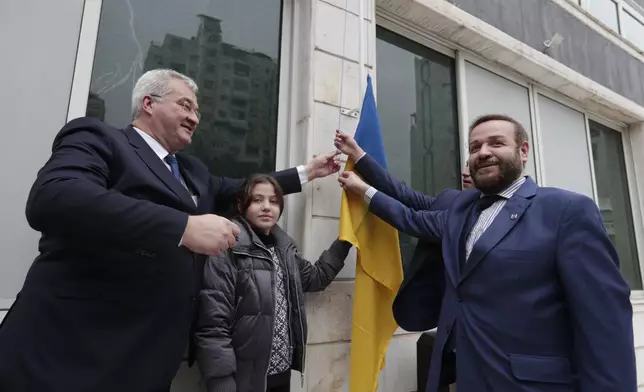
(246, 194)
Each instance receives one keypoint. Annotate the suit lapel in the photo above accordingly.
(454, 244)
(188, 172)
(157, 166)
(507, 218)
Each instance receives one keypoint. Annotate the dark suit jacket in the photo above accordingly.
(109, 302)
(418, 302)
(540, 305)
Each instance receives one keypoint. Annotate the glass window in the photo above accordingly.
(605, 11)
(417, 108)
(562, 128)
(487, 93)
(614, 198)
(633, 29)
(201, 39)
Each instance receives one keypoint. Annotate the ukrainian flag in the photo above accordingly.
(378, 270)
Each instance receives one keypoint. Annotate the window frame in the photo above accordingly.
(84, 64)
(623, 6)
(629, 163)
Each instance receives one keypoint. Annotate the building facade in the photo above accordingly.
(277, 77)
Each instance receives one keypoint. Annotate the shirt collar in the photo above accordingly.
(153, 143)
(511, 190)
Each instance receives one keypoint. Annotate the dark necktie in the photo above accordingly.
(480, 205)
(174, 166)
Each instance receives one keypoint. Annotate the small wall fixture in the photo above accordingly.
(554, 41)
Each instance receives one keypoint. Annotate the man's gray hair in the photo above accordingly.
(155, 82)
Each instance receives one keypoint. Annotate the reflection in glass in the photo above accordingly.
(605, 11)
(416, 89)
(614, 199)
(235, 66)
(633, 29)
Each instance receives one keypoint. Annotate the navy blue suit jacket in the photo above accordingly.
(418, 302)
(109, 302)
(540, 304)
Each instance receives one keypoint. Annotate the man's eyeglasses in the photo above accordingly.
(185, 105)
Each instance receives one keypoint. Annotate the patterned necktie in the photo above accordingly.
(174, 166)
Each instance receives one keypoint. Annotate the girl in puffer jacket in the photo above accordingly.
(252, 326)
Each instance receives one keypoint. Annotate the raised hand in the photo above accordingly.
(349, 181)
(323, 165)
(348, 145)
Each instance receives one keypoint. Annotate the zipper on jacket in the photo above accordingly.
(299, 312)
(273, 289)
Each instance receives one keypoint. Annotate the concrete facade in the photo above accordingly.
(320, 76)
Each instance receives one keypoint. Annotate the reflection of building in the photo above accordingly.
(95, 106)
(237, 97)
(432, 129)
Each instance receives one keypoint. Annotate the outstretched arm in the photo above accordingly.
(316, 277)
(291, 180)
(72, 197)
(428, 225)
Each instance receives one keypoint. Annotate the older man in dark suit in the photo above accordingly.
(126, 220)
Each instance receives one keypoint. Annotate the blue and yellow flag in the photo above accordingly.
(378, 270)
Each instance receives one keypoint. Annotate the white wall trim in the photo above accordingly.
(300, 106)
(462, 110)
(634, 158)
(285, 122)
(539, 163)
(454, 25)
(84, 59)
(591, 158)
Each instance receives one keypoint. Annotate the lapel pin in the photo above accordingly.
(514, 216)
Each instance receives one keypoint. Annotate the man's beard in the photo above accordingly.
(509, 171)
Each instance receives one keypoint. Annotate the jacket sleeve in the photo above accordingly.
(71, 198)
(316, 277)
(428, 225)
(376, 176)
(213, 337)
(598, 299)
(226, 190)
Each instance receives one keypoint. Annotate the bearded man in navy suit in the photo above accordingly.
(534, 300)
(126, 220)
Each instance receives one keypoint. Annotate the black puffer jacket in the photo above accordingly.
(235, 326)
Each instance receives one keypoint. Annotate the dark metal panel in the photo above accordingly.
(583, 49)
